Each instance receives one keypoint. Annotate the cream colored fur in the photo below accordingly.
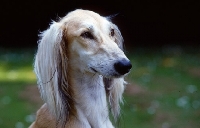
(74, 68)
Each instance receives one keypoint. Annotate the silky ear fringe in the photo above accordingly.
(114, 88)
(50, 62)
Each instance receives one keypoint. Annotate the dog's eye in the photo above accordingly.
(87, 35)
(112, 32)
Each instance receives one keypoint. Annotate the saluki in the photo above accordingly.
(80, 67)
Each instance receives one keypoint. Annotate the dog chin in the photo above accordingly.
(117, 76)
(113, 75)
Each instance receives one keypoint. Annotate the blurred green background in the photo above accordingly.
(163, 89)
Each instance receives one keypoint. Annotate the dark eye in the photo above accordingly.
(112, 32)
(87, 35)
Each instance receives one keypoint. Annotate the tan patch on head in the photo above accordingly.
(81, 19)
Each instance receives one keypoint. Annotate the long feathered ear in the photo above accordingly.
(114, 89)
(118, 37)
(51, 70)
(115, 86)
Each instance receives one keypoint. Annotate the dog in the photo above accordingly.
(80, 67)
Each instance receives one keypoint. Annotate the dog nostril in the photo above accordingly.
(123, 66)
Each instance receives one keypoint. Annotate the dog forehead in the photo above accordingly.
(84, 14)
(85, 18)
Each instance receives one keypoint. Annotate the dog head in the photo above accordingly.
(95, 43)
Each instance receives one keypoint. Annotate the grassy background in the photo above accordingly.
(15, 74)
(163, 89)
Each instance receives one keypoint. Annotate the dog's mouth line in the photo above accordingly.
(93, 69)
(115, 75)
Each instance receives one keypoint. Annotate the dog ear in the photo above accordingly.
(114, 90)
(118, 37)
(51, 70)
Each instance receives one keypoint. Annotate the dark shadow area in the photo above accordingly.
(142, 23)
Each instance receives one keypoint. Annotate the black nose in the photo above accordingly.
(123, 66)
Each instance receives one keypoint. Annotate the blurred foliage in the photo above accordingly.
(16, 65)
(163, 89)
(16, 72)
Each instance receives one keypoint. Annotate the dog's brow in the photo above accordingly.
(88, 27)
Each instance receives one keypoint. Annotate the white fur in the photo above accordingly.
(73, 69)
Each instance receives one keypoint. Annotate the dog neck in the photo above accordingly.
(90, 99)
